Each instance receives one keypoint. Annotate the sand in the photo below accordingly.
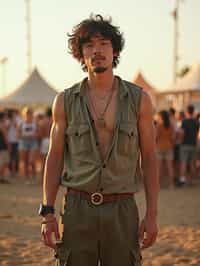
(178, 241)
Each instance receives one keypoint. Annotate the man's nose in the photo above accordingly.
(97, 49)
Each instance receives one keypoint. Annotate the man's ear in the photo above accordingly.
(115, 54)
(82, 61)
(83, 65)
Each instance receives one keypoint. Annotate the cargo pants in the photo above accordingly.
(105, 235)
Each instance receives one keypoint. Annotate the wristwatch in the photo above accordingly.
(45, 209)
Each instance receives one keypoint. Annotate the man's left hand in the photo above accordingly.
(148, 232)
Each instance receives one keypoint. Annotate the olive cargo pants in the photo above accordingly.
(106, 234)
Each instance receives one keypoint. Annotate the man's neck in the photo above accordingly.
(101, 81)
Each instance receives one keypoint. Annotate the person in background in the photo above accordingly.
(165, 144)
(13, 142)
(44, 134)
(178, 140)
(198, 148)
(172, 116)
(4, 156)
(188, 148)
(28, 144)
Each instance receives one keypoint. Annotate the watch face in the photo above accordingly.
(45, 209)
(40, 211)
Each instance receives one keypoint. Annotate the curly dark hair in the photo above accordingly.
(88, 28)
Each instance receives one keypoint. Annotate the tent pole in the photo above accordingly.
(176, 39)
(3, 62)
(29, 36)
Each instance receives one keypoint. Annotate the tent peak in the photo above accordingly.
(34, 90)
(140, 80)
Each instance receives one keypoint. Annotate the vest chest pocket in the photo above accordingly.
(78, 138)
(126, 139)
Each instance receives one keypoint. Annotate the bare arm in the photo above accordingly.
(53, 170)
(19, 131)
(149, 165)
(173, 135)
(5, 133)
(55, 157)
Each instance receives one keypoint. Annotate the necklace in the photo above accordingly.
(100, 118)
(103, 98)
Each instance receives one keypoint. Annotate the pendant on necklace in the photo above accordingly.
(101, 122)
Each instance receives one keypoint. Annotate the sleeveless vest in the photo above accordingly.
(85, 170)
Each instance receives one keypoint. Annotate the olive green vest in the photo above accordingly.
(85, 169)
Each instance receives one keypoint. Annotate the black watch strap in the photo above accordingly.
(45, 209)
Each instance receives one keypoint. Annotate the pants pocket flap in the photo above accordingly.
(62, 253)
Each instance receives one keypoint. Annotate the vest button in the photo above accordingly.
(104, 166)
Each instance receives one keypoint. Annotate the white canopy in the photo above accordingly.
(191, 81)
(34, 91)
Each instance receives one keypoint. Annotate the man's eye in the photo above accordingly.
(89, 45)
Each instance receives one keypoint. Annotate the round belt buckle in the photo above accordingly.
(96, 198)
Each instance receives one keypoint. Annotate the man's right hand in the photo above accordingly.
(49, 231)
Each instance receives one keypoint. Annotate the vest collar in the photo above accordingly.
(79, 88)
(123, 90)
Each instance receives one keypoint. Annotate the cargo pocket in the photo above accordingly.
(126, 138)
(62, 255)
(136, 258)
(78, 138)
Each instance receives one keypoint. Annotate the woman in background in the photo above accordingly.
(44, 134)
(28, 144)
(165, 143)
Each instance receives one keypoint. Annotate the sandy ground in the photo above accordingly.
(179, 221)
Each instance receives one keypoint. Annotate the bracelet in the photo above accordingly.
(48, 221)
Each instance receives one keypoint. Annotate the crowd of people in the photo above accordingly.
(24, 141)
(178, 146)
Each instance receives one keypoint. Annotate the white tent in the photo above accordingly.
(191, 81)
(185, 91)
(33, 91)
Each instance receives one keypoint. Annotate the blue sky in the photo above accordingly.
(147, 27)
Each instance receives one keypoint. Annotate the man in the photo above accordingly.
(188, 148)
(107, 122)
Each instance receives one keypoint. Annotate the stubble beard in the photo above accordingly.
(100, 69)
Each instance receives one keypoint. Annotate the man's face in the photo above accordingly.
(98, 54)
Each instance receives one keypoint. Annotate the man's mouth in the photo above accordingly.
(98, 58)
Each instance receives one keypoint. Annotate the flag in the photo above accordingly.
(174, 13)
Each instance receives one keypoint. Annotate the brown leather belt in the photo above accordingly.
(98, 198)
